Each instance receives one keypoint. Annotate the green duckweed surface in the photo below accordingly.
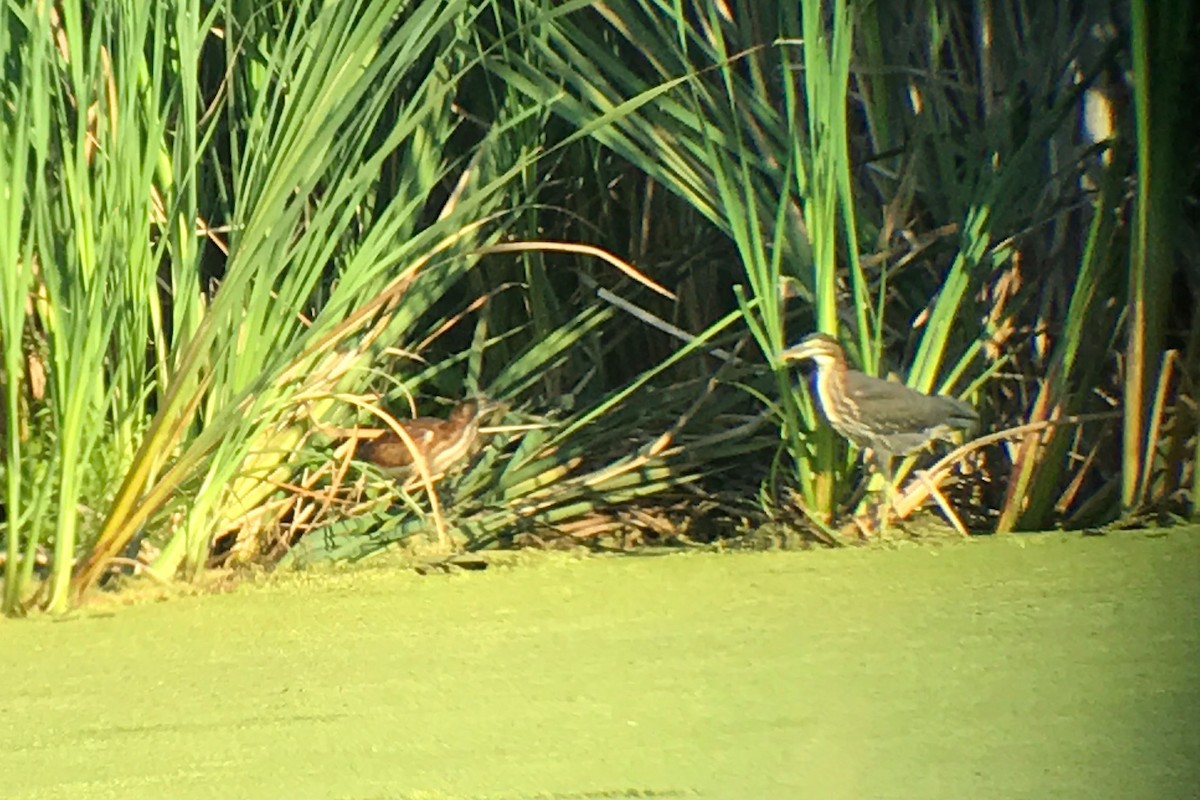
(1055, 666)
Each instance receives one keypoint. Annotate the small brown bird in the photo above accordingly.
(442, 443)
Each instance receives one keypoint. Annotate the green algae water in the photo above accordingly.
(1053, 666)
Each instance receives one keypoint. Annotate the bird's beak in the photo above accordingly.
(487, 407)
(792, 353)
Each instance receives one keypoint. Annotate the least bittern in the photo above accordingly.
(441, 443)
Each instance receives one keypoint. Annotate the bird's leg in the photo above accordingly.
(862, 486)
(883, 461)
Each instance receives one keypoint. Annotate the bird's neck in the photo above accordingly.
(824, 386)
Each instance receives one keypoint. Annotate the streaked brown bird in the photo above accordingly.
(887, 418)
(442, 443)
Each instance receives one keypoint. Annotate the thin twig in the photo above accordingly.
(943, 504)
(912, 498)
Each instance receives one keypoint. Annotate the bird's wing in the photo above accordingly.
(423, 430)
(389, 450)
(893, 408)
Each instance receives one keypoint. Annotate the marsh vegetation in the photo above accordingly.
(233, 235)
